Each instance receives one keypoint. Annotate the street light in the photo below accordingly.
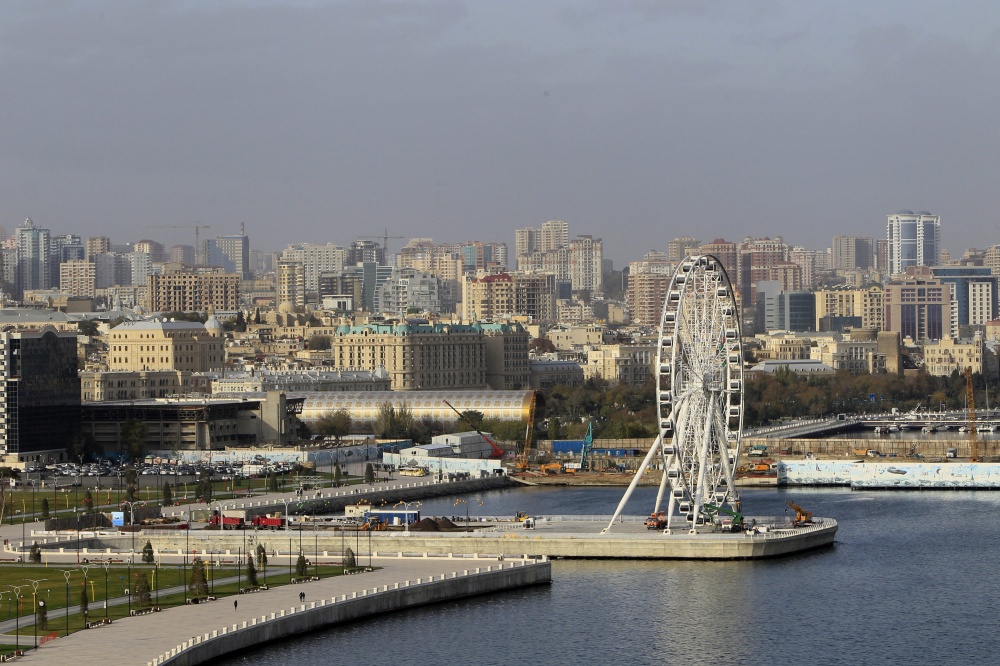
(107, 566)
(131, 556)
(66, 574)
(35, 603)
(406, 516)
(17, 621)
(86, 579)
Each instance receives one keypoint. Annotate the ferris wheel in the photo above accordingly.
(699, 395)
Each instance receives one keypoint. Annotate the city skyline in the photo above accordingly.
(311, 120)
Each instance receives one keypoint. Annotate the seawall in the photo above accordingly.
(329, 612)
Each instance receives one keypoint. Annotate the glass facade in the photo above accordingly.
(41, 391)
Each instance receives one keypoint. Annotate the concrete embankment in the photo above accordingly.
(303, 618)
(204, 632)
(329, 500)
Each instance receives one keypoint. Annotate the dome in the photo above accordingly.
(924, 212)
(287, 307)
(904, 212)
(213, 324)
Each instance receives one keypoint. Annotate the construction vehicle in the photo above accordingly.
(497, 453)
(713, 510)
(552, 468)
(229, 520)
(588, 444)
(802, 516)
(657, 521)
(272, 522)
(521, 516)
(970, 411)
(529, 436)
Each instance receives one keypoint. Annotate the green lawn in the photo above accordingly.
(53, 590)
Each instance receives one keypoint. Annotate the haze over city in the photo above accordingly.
(635, 121)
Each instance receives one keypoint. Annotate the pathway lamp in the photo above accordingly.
(17, 620)
(67, 573)
(35, 603)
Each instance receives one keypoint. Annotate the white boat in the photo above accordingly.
(928, 428)
(986, 427)
(893, 428)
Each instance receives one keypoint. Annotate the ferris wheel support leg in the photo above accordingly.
(703, 449)
(654, 447)
(663, 487)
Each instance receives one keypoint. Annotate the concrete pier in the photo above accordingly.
(189, 635)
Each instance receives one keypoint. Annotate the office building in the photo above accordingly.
(39, 394)
(920, 309)
(230, 253)
(34, 258)
(852, 252)
(914, 239)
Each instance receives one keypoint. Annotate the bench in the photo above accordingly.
(144, 611)
(99, 623)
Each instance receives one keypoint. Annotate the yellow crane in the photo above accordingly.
(529, 436)
(970, 413)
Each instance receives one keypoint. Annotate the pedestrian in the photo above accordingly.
(302, 597)
(235, 603)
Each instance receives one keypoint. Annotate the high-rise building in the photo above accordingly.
(182, 254)
(231, 253)
(755, 259)
(316, 259)
(920, 308)
(154, 249)
(553, 235)
(406, 290)
(505, 295)
(40, 400)
(98, 245)
(726, 253)
(681, 247)
(78, 277)
(194, 292)
(844, 307)
(914, 240)
(34, 258)
(290, 283)
(850, 252)
(974, 291)
(586, 258)
(645, 295)
(361, 251)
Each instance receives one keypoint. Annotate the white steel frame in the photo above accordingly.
(699, 396)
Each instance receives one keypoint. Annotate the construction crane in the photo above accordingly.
(497, 451)
(529, 435)
(385, 241)
(970, 414)
(801, 515)
(588, 444)
(197, 234)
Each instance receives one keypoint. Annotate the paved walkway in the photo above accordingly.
(138, 640)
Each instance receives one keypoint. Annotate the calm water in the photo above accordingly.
(910, 581)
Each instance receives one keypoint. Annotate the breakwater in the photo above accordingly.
(878, 473)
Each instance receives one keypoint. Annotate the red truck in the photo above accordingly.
(230, 520)
(272, 522)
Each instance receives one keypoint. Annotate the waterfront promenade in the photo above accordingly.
(151, 638)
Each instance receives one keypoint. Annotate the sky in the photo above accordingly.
(636, 121)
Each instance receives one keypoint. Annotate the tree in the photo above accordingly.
(251, 573)
(300, 566)
(541, 346)
(87, 327)
(393, 422)
(556, 430)
(45, 508)
(241, 322)
(204, 490)
(350, 561)
(272, 482)
(334, 424)
(147, 553)
(83, 445)
(472, 417)
(133, 438)
(262, 558)
(35, 555)
(319, 342)
(168, 495)
(198, 585)
(337, 475)
(369, 473)
(256, 316)
(88, 501)
(141, 597)
(84, 601)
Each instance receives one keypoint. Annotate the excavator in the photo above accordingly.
(588, 444)
(712, 510)
(802, 517)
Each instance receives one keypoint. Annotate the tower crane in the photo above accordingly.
(197, 235)
(385, 241)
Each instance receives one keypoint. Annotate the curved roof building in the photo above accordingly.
(364, 405)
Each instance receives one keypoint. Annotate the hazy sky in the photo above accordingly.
(636, 121)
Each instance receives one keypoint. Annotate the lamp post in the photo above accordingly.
(107, 566)
(17, 621)
(406, 516)
(86, 579)
(131, 555)
(66, 574)
(23, 538)
(35, 604)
